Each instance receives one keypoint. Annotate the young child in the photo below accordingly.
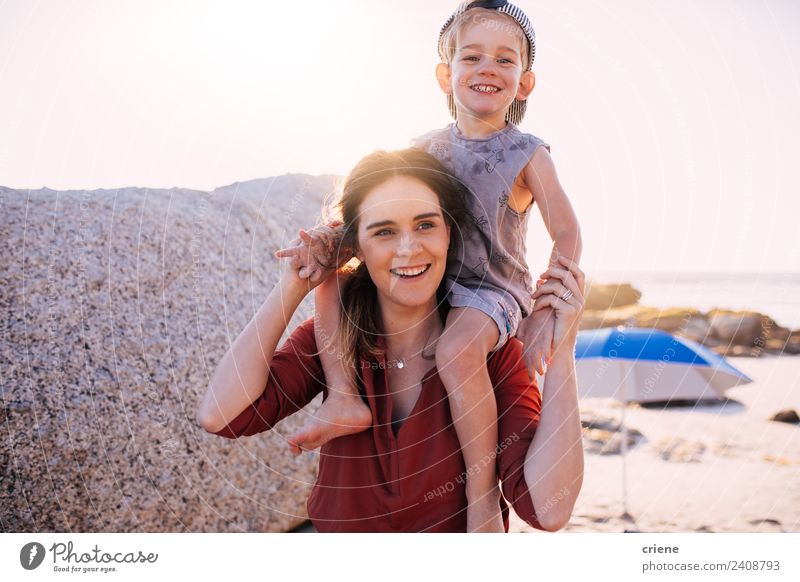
(487, 49)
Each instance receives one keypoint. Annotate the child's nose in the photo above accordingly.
(487, 65)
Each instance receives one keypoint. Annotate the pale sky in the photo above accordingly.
(674, 125)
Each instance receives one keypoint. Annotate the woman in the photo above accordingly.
(406, 472)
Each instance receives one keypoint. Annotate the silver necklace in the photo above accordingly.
(403, 362)
(400, 362)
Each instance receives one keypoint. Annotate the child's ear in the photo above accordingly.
(526, 83)
(444, 77)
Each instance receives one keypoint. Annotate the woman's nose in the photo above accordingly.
(407, 246)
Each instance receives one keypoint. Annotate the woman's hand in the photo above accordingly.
(568, 311)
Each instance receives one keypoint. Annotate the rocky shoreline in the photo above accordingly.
(726, 332)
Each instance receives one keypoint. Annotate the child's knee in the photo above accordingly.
(459, 356)
(469, 333)
(453, 346)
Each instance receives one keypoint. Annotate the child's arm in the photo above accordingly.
(557, 213)
(541, 180)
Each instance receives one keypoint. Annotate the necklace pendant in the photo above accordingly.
(401, 363)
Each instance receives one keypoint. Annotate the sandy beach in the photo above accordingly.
(705, 468)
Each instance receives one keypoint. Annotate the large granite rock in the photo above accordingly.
(118, 305)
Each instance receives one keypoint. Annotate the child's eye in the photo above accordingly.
(505, 61)
(471, 58)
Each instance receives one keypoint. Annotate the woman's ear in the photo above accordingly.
(526, 84)
(444, 77)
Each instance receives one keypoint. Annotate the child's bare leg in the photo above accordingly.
(342, 412)
(461, 362)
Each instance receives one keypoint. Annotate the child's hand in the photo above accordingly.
(317, 251)
(536, 333)
(305, 254)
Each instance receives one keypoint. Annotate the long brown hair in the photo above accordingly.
(360, 323)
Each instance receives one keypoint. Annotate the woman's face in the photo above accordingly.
(403, 240)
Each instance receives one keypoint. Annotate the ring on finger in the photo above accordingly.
(566, 295)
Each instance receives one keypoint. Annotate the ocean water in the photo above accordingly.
(774, 294)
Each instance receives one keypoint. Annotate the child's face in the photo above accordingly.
(487, 70)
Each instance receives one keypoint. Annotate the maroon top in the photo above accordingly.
(405, 479)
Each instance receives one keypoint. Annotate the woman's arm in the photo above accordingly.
(554, 460)
(241, 376)
(537, 443)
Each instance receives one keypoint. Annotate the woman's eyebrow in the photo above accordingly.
(390, 222)
(427, 215)
(379, 224)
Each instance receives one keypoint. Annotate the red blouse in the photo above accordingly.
(406, 479)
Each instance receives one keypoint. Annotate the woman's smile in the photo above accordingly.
(410, 272)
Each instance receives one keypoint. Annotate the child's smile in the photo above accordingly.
(487, 86)
(484, 88)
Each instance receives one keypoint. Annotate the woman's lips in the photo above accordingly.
(410, 272)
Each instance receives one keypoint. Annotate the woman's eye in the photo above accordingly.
(383, 232)
(426, 225)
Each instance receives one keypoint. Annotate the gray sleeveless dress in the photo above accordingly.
(493, 249)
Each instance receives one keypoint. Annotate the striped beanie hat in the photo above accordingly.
(517, 110)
